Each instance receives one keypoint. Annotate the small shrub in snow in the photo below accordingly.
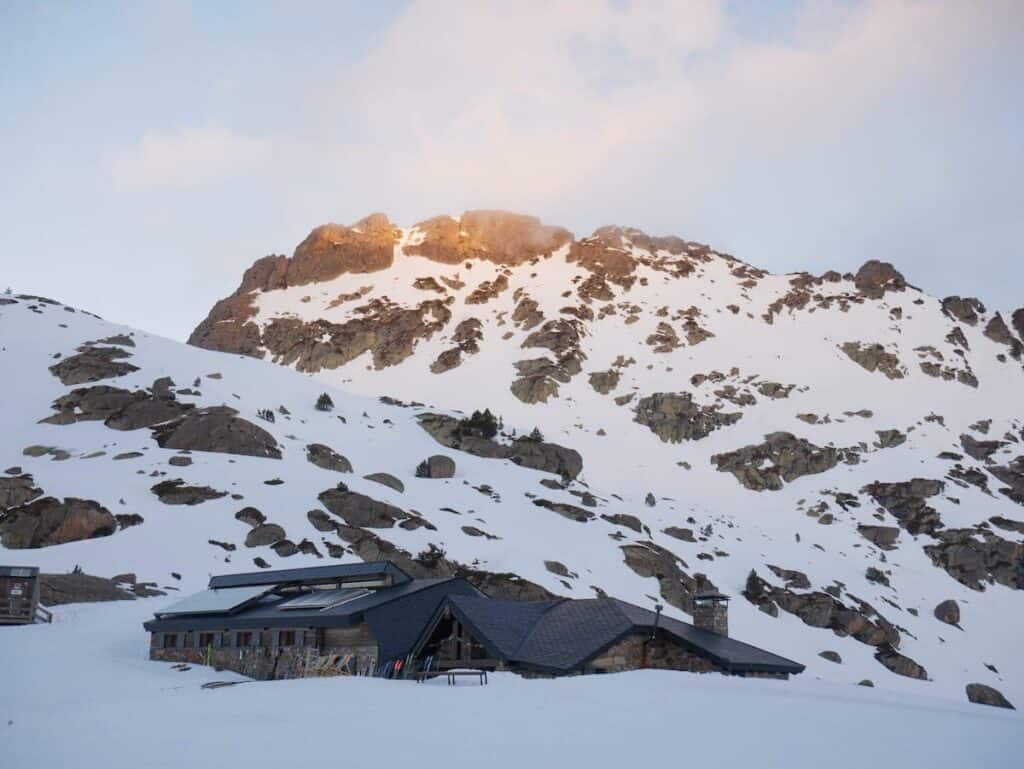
(324, 403)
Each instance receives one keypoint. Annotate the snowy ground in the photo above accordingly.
(81, 693)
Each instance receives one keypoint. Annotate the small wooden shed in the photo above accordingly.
(19, 596)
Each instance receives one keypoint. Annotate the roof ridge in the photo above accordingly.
(557, 601)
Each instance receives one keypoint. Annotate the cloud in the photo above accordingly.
(184, 157)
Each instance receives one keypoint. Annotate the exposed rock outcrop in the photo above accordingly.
(217, 429)
(875, 278)
(91, 364)
(176, 492)
(17, 490)
(874, 357)
(788, 458)
(907, 501)
(50, 521)
(861, 621)
(674, 417)
(360, 510)
(986, 695)
(965, 310)
(327, 458)
(536, 455)
(494, 236)
(974, 557)
(900, 664)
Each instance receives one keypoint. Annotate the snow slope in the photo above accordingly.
(737, 530)
(952, 376)
(81, 693)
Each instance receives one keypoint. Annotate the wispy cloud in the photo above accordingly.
(184, 157)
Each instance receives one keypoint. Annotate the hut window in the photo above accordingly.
(286, 638)
(206, 639)
(170, 641)
(243, 638)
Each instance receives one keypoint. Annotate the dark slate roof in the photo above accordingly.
(502, 625)
(563, 635)
(265, 612)
(398, 622)
(311, 574)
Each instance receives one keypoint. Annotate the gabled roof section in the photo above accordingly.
(398, 624)
(562, 636)
(313, 575)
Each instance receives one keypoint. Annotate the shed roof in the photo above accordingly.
(19, 571)
(312, 575)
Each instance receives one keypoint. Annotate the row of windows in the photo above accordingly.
(240, 639)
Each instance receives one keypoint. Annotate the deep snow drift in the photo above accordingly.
(81, 693)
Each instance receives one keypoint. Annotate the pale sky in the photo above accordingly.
(151, 151)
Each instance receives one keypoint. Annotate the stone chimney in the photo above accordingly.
(711, 612)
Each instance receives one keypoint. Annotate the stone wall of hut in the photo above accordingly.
(639, 651)
(313, 653)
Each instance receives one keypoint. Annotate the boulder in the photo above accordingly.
(91, 364)
(360, 510)
(50, 521)
(883, 536)
(949, 612)
(327, 458)
(176, 492)
(436, 466)
(386, 479)
(571, 512)
(900, 664)
(986, 695)
(831, 656)
(250, 516)
(218, 430)
(624, 519)
(264, 534)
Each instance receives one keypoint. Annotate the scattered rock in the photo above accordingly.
(436, 466)
(883, 536)
(264, 534)
(874, 357)
(360, 510)
(219, 430)
(789, 457)
(949, 612)
(986, 695)
(831, 656)
(385, 479)
(50, 521)
(176, 492)
(900, 664)
(624, 519)
(674, 417)
(91, 364)
(327, 458)
(250, 516)
(571, 512)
